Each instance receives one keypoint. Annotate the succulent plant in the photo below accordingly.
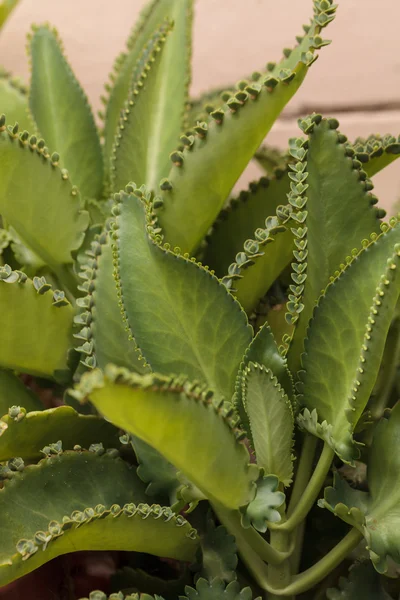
(181, 369)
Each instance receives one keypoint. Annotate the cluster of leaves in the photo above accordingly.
(162, 302)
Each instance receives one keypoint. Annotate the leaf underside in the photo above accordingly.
(182, 421)
(80, 501)
(26, 435)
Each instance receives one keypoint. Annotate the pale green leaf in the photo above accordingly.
(62, 114)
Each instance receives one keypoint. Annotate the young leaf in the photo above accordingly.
(346, 341)
(25, 434)
(363, 583)
(264, 506)
(377, 513)
(173, 85)
(152, 118)
(219, 553)
(182, 318)
(102, 334)
(14, 392)
(32, 306)
(13, 101)
(217, 590)
(81, 501)
(62, 114)
(205, 172)
(376, 152)
(333, 211)
(183, 422)
(36, 210)
(271, 421)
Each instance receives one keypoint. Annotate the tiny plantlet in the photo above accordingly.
(222, 371)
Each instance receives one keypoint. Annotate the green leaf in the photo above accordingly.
(129, 578)
(376, 152)
(271, 421)
(152, 118)
(36, 210)
(264, 351)
(216, 590)
(80, 501)
(260, 263)
(334, 213)
(176, 62)
(14, 392)
(35, 324)
(377, 513)
(183, 422)
(62, 114)
(200, 107)
(263, 507)
(182, 318)
(239, 220)
(25, 434)
(103, 337)
(13, 100)
(219, 558)
(346, 340)
(6, 7)
(205, 172)
(363, 583)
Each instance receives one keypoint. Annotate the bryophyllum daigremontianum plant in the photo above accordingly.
(234, 351)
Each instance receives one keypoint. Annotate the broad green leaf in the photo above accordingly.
(80, 501)
(363, 583)
(241, 218)
(102, 335)
(183, 319)
(36, 197)
(204, 173)
(13, 100)
(199, 108)
(264, 506)
(272, 159)
(176, 62)
(62, 114)
(35, 325)
(25, 434)
(377, 512)
(346, 340)
(153, 116)
(6, 7)
(376, 152)
(333, 212)
(129, 578)
(183, 422)
(271, 420)
(14, 392)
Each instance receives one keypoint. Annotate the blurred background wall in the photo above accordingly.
(356, 79)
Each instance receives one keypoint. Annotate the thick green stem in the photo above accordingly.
(310, 494)
(309, 578)
(304, 470)
(279, 576)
